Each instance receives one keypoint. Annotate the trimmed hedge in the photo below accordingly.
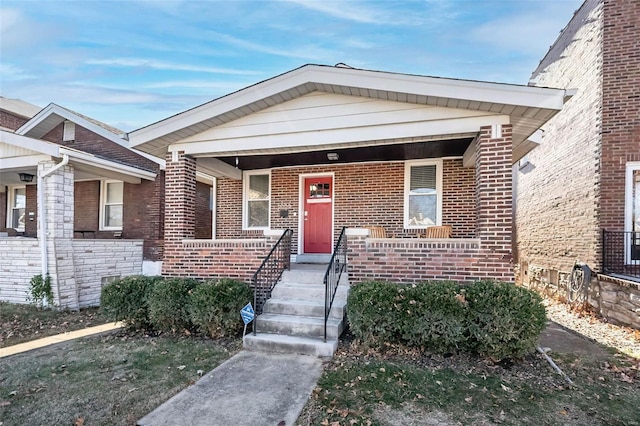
(494, 319)
(215, 306)
(127, 300)
(169, 304)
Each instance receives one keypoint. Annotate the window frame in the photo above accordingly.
(245, 199)
(407, 185)
(103, 204)
(11, 199)
(630, 169)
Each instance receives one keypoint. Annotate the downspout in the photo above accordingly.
(41, 216)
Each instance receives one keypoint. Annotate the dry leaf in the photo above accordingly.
(79, 421)
(469, 399)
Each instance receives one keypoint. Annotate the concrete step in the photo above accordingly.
(307, 308)
(290, 344)
(299, 326)
(311, 292)
(302, 276)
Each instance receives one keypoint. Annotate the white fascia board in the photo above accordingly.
(7, 164)
(37, 145)
(329, 137)
(419, 85)
(91, 160)
(83, 122)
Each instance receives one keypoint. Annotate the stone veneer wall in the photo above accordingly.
(97, 262)
(19, 262)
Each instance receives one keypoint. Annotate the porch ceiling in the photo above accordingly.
(394, 152)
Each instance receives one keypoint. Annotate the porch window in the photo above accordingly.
(111, 205)
(257, 200)
(422, 194)
(17, 203)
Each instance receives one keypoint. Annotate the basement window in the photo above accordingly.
(111, 205)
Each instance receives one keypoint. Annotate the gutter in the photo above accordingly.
(41, 218)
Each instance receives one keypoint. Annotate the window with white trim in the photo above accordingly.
(17, 205)
(257, 199)
(111, 205)
(422, 194)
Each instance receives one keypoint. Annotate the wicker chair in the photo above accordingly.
(376, 232)
(438, 232)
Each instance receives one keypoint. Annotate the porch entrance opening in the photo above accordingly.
(318, 214)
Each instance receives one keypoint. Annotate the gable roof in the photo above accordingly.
(527, 107)
(18, 107)
(52, 115)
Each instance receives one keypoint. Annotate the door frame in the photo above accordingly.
(630, 168)
(301, 188)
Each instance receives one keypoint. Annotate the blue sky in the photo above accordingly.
(131, 63)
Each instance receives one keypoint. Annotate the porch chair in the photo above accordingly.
(438, 232)
(376, 232)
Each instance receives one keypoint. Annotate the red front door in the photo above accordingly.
(318, 227)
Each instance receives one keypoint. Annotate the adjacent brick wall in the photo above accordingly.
(3, 207)
(557, 196)
(142, 216)
(31, 211)
(93, 143)
(620, 106)
(11, 121)
(87, 205)
(203, 210)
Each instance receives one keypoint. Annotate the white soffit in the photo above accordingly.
(538, 104)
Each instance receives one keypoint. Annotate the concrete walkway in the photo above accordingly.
(251, 388)
(58, 338)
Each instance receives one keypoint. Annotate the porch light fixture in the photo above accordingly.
(25, 177)
(333, 156)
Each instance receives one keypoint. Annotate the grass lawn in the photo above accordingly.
(21, 323)
(401, 387)
(112, 379)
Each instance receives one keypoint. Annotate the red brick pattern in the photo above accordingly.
(203, 210)
(142, 216)
(620, 106)
(86, 196)
(31, 220)
(93, 143)
(11, 121)
(3, 208)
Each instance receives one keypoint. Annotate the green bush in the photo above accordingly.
(372, 310)
(435, 316)
(493, 319)
(215, 306)
(504, 320)
(126, 299)
(169, 304)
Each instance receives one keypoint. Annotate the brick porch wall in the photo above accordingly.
(3, 207)
(488, 255)
(11, 121)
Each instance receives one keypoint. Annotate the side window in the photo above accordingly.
(111, 205)
(423, 194)
(257, 200)
(17, 204)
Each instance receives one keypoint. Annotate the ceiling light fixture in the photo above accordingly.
(333, 156)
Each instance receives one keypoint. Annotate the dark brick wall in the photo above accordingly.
(86, 197)
(620, 106)
(31, 220)
(11, 121)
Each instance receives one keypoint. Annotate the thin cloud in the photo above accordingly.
(12, 72)
(162, 65)
(196, 84)
(358, 12)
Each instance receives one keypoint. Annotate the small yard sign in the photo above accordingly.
(247, 313)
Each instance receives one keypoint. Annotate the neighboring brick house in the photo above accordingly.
(111, 216)
(320, 148)
(578, 193)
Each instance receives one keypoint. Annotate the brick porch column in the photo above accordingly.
(59, 217)
(493, 190)
(180, 201)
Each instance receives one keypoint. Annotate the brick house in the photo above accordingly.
(578, 193)
(103, 202)
(321, 148)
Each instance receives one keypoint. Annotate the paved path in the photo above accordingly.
(251, 388)
(58, 338)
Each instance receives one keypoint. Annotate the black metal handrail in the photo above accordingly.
(270, 271)
(337, 264)
(621, 253)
